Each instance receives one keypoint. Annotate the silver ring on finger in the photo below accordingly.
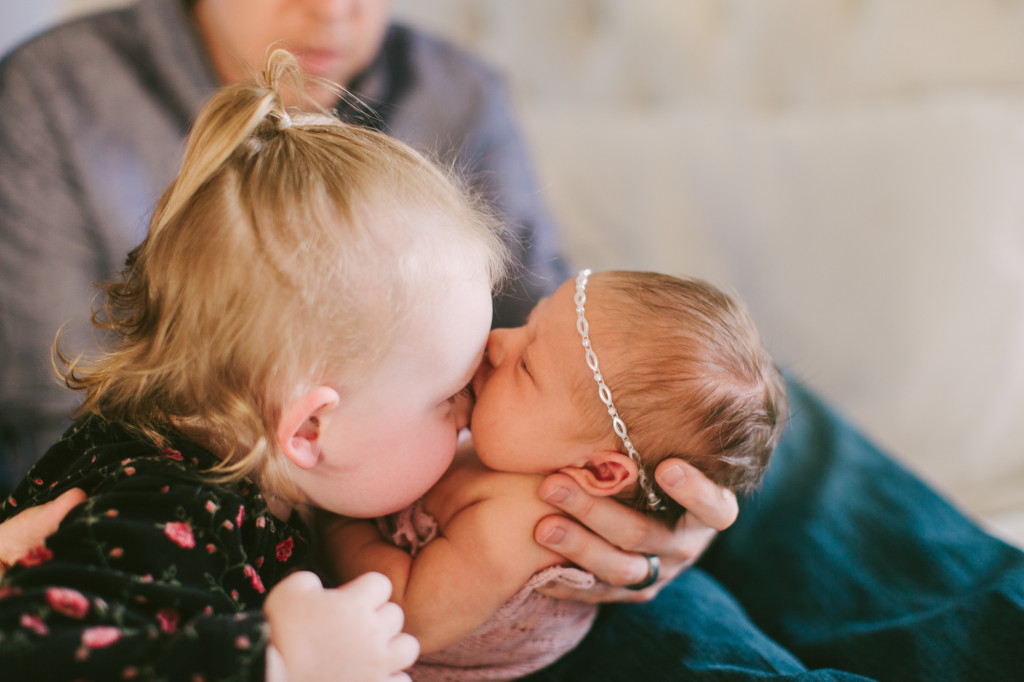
(653, 568)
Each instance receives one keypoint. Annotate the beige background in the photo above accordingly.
(854, 169)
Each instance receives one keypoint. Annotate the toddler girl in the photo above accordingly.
(294, 331)
(612, 374)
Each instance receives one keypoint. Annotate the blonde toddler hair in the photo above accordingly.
(285, 254)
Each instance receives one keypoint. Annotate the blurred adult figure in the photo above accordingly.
(95, 115)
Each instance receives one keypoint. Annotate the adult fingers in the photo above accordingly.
(30, 528)
(607, 562)
(625, 528)
(52, 513)
(712, 505)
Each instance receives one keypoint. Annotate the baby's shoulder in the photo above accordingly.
(494, 497)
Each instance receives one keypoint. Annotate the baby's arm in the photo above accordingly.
(483, 556)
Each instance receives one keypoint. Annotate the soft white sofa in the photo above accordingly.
(854, 169)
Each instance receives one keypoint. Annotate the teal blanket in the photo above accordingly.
(844, 566)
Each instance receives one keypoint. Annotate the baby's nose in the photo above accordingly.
(496, 343)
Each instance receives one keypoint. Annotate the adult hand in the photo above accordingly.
(351, 632)
(611, 540)
(28, 529)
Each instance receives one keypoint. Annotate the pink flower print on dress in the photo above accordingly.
(100, 636)
(70, 602)
(240, 516)
(168, 618)
(35, 556)
(284, 549)
(34, 623)
(180, 533)
(7, 591)
(171, 453)
(254, 578)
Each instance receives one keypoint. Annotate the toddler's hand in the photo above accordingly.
(348, 633)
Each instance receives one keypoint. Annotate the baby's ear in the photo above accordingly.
(298, 432)
(606, 473)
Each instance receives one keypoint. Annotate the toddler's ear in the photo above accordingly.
(606, 473)
(298, 432)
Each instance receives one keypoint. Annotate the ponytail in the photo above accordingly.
(231, 119)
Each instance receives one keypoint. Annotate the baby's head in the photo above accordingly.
(291, 251)
(682, 364)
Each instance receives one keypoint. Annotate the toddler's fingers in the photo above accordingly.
(391, 616)
(372, 589)
(301, 581)
(405, 649)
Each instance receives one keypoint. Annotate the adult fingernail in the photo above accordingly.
(555, 536)
(559, 495)
(673, 476)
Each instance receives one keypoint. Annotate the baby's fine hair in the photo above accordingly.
(286, 253)
(691, 377)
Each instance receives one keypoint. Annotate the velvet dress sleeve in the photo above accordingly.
(158, 574)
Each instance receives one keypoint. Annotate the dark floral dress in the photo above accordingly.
(158, 575)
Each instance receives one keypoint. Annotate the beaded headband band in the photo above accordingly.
(583, 327)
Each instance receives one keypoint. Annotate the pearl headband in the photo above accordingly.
(653, 500)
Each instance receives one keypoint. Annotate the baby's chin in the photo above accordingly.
(506, 464)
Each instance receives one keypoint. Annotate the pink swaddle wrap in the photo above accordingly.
(527, 633)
